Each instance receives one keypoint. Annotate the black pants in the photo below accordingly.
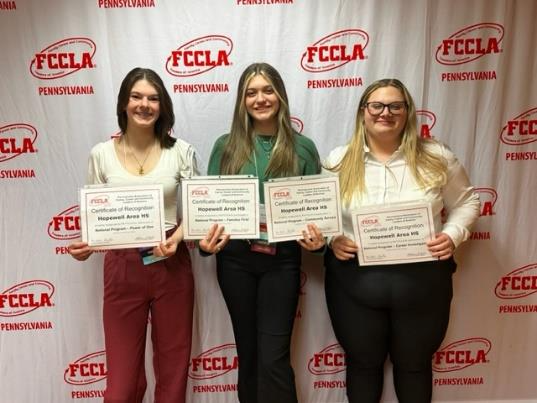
(396, 310)
(261, 294)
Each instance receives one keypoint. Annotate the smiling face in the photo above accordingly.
(262, 104)
(386, 127)
(143, 107)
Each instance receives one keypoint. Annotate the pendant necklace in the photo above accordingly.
(266, 145)
(140, 165)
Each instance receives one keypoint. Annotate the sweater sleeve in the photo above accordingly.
(215, 159)
(307, 152)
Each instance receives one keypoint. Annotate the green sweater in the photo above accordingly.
(308, 160)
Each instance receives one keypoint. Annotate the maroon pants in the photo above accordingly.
(132, 291)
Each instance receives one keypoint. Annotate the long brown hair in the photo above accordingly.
(240, 144)
(428, 169)
(166, 120)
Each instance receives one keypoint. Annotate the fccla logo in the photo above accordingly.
(16, 139)
(335, 50)
(65, 225)
(470, 44)
(99, 201)
(371, 220)
(487, 198)
(329, 360)
(521, 129)
(518, 284)
(282, 193)
(461, 354)
(201, 191)
(214, 362)
(199, 56)
(426, 121)
(26, 297)
(63, 58)
(88, 369)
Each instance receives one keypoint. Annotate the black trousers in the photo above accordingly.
(261, 294)
(396, 310)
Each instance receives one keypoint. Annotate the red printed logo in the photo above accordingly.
(487, 197)
(88, 369)
(65, 225)
(201, 191)
(371, 220)
(335, 50)
(297, 124)
(470, 44)
(214, 362)
(521, 129)
(282, 193)
(426, 122)
(461, 354)
(329, 360)
(63, 58)
(99, 200)
(26, 297)
(518, 284)
(199, 56)
(16, 139)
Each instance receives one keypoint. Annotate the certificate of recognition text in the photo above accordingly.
(392, 234)
(231, 201)
(114, 217)
(292, 203)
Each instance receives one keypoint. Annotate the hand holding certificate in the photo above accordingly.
(395, 233)
(293, 203)
(115, 217)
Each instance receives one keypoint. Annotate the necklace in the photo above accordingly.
(140, 165)
(266, 145)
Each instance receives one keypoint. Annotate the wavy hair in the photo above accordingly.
(239, 147)
(166, 120)
(428, 168)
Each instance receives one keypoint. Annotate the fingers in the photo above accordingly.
(212, 230)
(215, 239)
(161, 250)
(222, 242)
(167, 248)
(80, 250)
(344, 255)
(313, 238)
(344, 248)
(442, 246)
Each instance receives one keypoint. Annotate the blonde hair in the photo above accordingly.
(427, 168)
(239, 147)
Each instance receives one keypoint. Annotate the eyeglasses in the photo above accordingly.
(376, 108)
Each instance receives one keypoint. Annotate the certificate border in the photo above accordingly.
(418, 206)
(158, 188)
(316, 179)
(210, 180)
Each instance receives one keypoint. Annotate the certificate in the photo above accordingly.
(231, 201)
(114, 217)
(292, 203)
(395, 233)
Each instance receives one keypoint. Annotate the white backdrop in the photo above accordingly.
(471, 66)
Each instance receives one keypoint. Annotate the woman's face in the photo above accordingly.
(261, 101)
(143, 108)
(383, 123)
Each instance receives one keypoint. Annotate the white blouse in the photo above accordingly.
(391, 181)
(105, 167)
